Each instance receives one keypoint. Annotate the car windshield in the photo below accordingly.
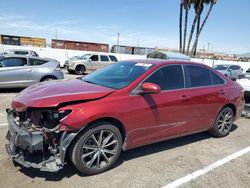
(117, 75)
(84, 57)
(74, 58)
(221, 67)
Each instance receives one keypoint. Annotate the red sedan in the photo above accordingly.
(120, 107)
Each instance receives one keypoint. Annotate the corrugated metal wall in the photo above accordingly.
(75, 45)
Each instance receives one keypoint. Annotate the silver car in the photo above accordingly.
(229, 70)
(23, 71)
(20, 52)
(89, 62)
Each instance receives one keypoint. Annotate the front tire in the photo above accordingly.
(223, 123)
(97, 149)
(80, 70)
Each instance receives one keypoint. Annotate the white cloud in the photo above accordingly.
(75, 30)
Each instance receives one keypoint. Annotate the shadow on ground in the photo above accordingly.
(69, 169)
(11, 90)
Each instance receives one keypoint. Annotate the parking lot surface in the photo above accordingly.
(155, 165)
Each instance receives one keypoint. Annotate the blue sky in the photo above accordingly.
(149, 23)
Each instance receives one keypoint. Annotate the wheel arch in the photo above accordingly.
(117, 123)
(47, 76)
(232, 106)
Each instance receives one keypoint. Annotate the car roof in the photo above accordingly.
(13, 50)
(160, 62)
(24, 56)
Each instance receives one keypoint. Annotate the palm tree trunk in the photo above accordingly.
(202, 25)
(185, 30)
(180, 26)
(193, 26)
(197, 32)
(191, 34)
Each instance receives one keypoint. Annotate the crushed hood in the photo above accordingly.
(53, 93)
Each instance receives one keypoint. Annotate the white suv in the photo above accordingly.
(89, 62)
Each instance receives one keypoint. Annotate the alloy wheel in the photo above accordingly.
(225, 121)
(99, 149)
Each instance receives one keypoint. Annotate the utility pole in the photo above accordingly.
(208, 45)
(118, 42)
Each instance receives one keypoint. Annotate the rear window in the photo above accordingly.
(36, 62)
(113, 58)
(217, 80)
(21, 52)
(104, 58)
(197, 76)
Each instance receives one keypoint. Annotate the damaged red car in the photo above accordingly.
(90, 120)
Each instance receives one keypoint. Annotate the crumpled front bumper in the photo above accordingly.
(22, 145)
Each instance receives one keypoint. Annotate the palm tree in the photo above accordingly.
(198, 10)
(187, 7)
(180, 26)
(212, 3)
(197, 3)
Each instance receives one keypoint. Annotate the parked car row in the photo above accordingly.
(128, 104)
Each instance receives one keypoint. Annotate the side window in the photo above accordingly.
(35, 62)
(217, 80)
(13, 62)
(168, 78)
(197, 76)
(234, 67)
(113, 58)
(21, 52)
(94, 58)
(104, 58)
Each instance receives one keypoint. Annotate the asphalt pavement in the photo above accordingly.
(191, 158)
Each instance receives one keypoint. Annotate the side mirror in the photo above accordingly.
(148, 88)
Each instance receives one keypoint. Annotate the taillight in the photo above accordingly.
(242, 92)
(58, 67)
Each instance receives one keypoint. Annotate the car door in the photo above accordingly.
(164, 114)
(14, 72)
(94, 62)
(235, 70)
(206, 97)
(34, 65)
(104, 61)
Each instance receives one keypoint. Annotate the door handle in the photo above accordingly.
(184, 98)
(222, 92)
(30, 70)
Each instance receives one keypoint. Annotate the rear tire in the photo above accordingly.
(97, 149)
(80, 70)
(223, 123)
(48, 78)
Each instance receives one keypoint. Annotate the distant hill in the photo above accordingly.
(245, 55)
